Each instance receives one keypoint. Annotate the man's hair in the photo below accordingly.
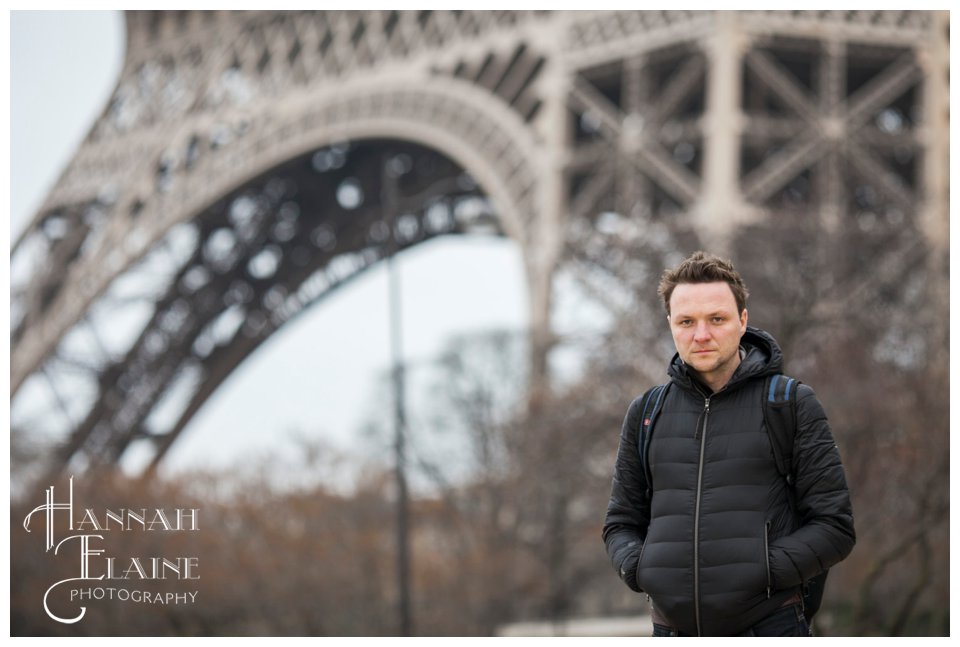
(703, 268)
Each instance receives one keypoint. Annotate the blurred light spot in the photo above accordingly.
(219, 248)
(242, 210)
(289, 211)
(254, 324)
(328, 159)
(173, 319)
(323, 237)
(609, 223)
(890, 121)
(55, 227)
(276, 188)
(349, 194)
(589, 122)
(274, 297)
(399, 165)
(408, 226)
(265, 264)
(239, 293)
(225, 326)
(284, 230)
(155, 343)
(379, 231)
(438, 218)
(195, 278)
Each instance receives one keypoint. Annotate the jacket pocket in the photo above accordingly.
(639, 568)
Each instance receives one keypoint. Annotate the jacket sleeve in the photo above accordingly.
(628, 512)
(826, 534)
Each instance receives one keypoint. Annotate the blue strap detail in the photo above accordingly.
(786, 395)
(773, 388)
(774, 383)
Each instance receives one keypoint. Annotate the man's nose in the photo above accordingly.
(701, 332)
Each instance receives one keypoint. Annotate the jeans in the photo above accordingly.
(788, 621)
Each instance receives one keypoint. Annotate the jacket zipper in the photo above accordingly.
(696, 518)
(766, 556)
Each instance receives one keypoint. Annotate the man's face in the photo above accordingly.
(706, 329)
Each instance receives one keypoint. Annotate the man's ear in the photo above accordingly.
(743, 321)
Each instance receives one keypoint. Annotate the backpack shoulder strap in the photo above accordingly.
(780, 416)
(650, 408)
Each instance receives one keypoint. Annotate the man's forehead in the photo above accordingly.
(700, 296)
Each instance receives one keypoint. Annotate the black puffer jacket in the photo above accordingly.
(721, 544)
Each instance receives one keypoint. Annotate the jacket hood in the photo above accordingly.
(761, 357)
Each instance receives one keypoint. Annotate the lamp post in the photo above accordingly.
(389, 206)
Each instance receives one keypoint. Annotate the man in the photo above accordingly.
(719, 540)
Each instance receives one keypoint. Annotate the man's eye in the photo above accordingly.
(718, 320)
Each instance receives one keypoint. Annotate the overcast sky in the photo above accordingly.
(63, 67)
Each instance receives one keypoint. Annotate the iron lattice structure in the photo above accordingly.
(250, 163)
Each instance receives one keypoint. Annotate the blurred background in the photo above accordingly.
(373, 291)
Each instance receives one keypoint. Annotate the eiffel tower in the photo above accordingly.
(257, 161)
